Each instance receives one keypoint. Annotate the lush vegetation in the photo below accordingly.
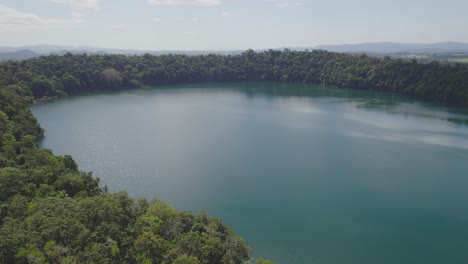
(71, 74)
(50, 212)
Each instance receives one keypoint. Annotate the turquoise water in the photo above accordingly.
(305, 173)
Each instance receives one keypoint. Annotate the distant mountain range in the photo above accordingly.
(18, 55)
(26, 52)
(391, 47)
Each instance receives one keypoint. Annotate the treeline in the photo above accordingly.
(71, 74)
(50, 212)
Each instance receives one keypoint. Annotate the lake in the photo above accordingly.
(305, 173)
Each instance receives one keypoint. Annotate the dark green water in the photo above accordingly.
(306, 174)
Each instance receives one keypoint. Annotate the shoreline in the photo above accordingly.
(42, 100)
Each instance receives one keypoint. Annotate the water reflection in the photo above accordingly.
(370, 100)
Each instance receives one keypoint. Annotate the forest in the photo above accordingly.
(51, 212)
(55, 75)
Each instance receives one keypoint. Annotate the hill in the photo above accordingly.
(18, 55)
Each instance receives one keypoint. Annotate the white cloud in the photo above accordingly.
(195, 19)
(185, 2)
(180, 18)
(224, 14)
(79, 3)
(13, 20)
(156, 19)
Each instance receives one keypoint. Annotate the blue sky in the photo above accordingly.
(229, 24)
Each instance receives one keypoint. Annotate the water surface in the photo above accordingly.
(306, 174)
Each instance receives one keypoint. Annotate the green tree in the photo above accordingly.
(69, 163)
(41, 86)
(70, 84)
(111, 79)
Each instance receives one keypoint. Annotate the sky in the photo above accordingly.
(229, 24)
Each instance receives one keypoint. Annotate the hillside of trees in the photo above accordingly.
(71, 74)
(50, 212)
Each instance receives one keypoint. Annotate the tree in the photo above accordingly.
(70, 183)
(111, 78)
(150, 248)
(71, 85)
(41, 86)
(184, 259)
(24, 76)
(69, 163)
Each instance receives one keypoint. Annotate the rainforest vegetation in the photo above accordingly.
(71, 74)
(51, 212)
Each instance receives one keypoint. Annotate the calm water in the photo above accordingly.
(306, 174)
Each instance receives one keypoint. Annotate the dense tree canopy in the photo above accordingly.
(70, 74)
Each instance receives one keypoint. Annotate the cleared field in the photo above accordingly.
(462, 60)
